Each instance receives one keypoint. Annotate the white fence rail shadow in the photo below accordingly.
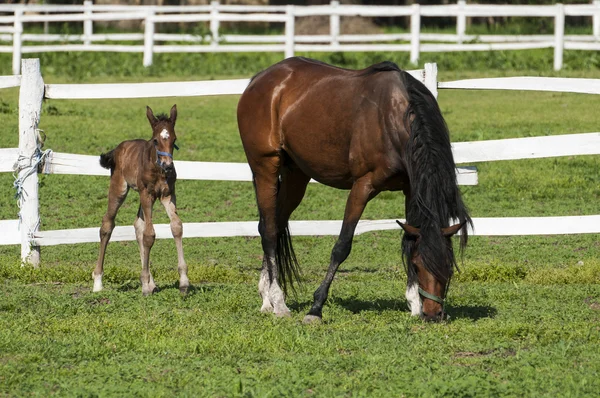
(28, 158)
(12, 29)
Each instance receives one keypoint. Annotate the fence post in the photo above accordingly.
(214, 22)
(289, 31)
(17, 41)
(334, 24)
(31, 95)
(559, 36)
(149, 38)
(596, 20)
(88, 27)
(415, 32)
(431, 78)
(461, 21)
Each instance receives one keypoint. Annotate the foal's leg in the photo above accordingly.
(145, 235)
(265, 183)
(170, 204)
(360, 194)
(116, 196)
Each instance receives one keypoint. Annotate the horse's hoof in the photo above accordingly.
(184, 289)
(149, 292)
(283, 314)
(266, 309)
(312, 320)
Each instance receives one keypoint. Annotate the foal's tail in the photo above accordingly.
(107, 160)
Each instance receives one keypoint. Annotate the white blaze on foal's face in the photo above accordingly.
(164, 134)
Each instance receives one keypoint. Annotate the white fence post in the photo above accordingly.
(559, 36)
(334, 24)
(289, 31)
(214, 22)
(461, 21)
(596, 20)
(31, 96)
(17, 41)
(415, 32)
(431, 78)
(149, 38)
(88, 27)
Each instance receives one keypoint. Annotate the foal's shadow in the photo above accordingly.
(191, 291)
(356, 306)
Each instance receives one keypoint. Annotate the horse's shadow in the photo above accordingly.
(473, 312)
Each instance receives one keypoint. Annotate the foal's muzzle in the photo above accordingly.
(164, 165)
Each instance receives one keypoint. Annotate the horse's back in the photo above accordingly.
(333, 123)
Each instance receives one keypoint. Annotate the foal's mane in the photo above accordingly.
(435, 196)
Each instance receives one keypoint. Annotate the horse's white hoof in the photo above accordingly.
(283, 314)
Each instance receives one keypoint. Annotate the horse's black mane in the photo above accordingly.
(385, 66)
(435, 197)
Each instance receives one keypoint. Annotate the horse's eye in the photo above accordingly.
(155, 141)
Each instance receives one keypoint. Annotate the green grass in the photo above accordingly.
(524, 310)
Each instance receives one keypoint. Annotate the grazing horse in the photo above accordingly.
(146, 167)
(371, 130)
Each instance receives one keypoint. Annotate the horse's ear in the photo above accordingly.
(173, 116)
(150, 115)
(410, 230)
(449, 231)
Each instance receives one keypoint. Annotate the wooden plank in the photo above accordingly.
(527, 148)
(8, 158)
(146, 90)
(556, 84)
(68, 163)
(505, 226)
(10, 81)
(9, 232)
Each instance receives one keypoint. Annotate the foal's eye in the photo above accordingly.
(155, 141)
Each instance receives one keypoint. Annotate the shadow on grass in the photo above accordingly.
(197, 288)
(357, 306)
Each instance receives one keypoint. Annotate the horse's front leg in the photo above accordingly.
(170, 204)
(145, 235)
(362, 191)
(116, 196)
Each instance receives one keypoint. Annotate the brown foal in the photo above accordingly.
(146, 167)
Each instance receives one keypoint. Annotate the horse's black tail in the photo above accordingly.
(288, 269)
(107, 160)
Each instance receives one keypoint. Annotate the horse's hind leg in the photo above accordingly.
(360, 194)
(266, 174)
(145, 235)
(116, 196)
(170, 204)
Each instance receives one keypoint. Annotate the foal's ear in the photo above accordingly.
(150, 115)
(449, 231)
(410, 230)
(173, 116)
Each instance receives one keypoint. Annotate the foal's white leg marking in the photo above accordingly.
(263, 290)
(97, 282)
(413, 298)
(148, 285)
(177, 231)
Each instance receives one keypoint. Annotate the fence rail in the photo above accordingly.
(12, 29)
(28, 158)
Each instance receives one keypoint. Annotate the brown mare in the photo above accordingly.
(146, 167)
(371, 130)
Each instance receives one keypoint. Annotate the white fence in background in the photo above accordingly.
(26, 158)
(12, 29)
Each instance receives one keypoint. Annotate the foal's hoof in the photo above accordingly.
(184, 289)
(312, 320)
(149, 292)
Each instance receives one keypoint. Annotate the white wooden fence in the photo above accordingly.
(12, 29)
(26, 158)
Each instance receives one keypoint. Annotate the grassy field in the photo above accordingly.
(525, 311)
